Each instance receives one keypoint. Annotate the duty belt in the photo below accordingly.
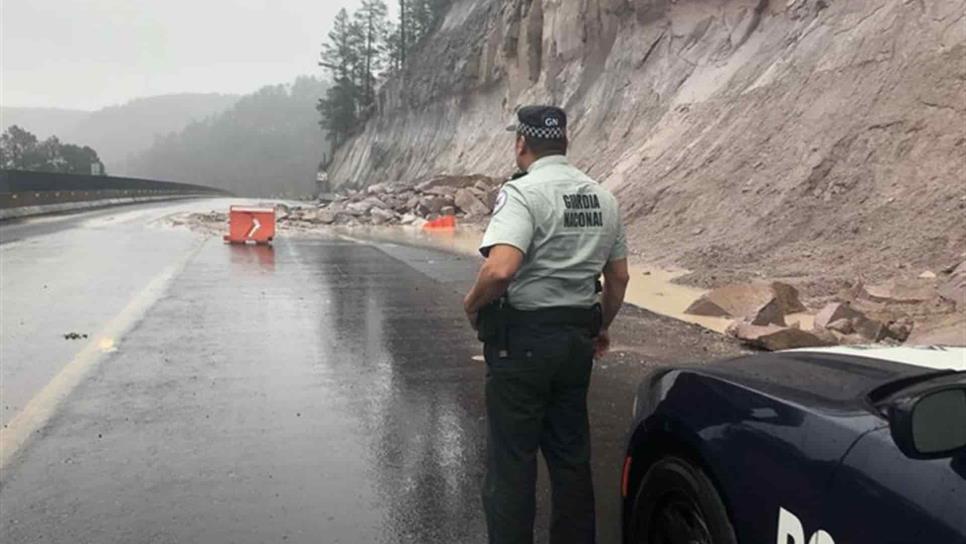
(557, 315)
(497, 318)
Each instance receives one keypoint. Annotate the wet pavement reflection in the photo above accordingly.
(317, 391)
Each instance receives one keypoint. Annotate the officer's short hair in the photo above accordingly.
(544, 148)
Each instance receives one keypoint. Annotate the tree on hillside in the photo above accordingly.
(371, 21)
(417, 18)
(266, 144)
(16, 144)
(20, 150)
(364, 47)
(339, 107)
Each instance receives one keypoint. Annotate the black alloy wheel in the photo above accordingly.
(677, 504)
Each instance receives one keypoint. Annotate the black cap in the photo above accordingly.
(541, 122)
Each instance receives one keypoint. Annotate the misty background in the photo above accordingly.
(221, 92)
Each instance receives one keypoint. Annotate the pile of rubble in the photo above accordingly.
(759, 309)
(468, 197)
(882, 313)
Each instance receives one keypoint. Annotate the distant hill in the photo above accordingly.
(42, 122)
(120, 132)
(268, 143)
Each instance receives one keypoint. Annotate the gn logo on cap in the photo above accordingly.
(551, 122)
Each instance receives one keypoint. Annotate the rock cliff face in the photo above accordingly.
(737, 133)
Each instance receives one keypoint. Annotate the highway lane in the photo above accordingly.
(14, 230)
(74, 273)
(322, 390)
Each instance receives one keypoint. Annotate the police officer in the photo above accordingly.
(554, 231)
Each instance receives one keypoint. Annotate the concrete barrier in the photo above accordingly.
(24, 194)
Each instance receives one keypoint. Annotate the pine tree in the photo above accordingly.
(340, 56)
(361, 48)
(371, 22)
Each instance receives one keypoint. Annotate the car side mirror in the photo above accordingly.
(931, 425)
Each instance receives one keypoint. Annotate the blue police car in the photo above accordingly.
(825, 446)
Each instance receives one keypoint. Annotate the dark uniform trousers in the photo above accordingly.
(536, 398)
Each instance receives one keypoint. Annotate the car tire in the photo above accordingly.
(677, 503)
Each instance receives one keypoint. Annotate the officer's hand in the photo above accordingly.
(602, 344)
(474, 318)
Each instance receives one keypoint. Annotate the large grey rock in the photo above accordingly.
(377, 188)
(953, 286)
(470, 204)
(748, 300)
(432, 204)
(775, 337)
(836, 311)
(842, 318)
(358, 209)
(382, 215)
(455, 182)
(949, 331)
(902, 291)
(843, 326)
(443, 190)
(770, 313)
(900, 329)
(869, 329)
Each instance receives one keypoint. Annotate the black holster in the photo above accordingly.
(596, 320)
(492, 325)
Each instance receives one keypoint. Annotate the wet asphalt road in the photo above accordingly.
(321, 390)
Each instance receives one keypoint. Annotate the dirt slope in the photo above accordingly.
(797, 138)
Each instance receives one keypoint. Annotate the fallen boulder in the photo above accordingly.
(902, 291)
(455, 182)
(769, 314)
(747, 300)
(775, 337)
(899, 329)
(442, 190)
(834, 312)
(950, 331)
(845, 320)
(380, 216)
(358, 209)
(377, 188)
(869, 329)
(953, 287)
(432, 204)
(470, 204)
(843, 326)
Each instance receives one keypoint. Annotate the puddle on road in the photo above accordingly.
(651, 288)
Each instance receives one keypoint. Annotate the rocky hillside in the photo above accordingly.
(795, 138)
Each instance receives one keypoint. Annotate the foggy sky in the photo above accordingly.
(87, 54)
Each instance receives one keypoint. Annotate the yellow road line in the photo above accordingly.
(37, 413)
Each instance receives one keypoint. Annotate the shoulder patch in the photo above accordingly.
(500, 201)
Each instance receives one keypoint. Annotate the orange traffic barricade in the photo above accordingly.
(249, 224)
(447, 222)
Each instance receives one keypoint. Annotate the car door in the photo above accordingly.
(879, 495)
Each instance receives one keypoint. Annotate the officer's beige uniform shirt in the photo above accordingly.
(568, 228)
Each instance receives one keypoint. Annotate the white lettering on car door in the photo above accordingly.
(791, 531)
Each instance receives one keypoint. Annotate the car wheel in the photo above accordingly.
(678, 504)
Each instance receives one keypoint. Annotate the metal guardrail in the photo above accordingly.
(19, 189)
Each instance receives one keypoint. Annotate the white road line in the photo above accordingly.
(35, 415)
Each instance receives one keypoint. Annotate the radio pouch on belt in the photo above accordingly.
(597, 320)
(492, 326)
